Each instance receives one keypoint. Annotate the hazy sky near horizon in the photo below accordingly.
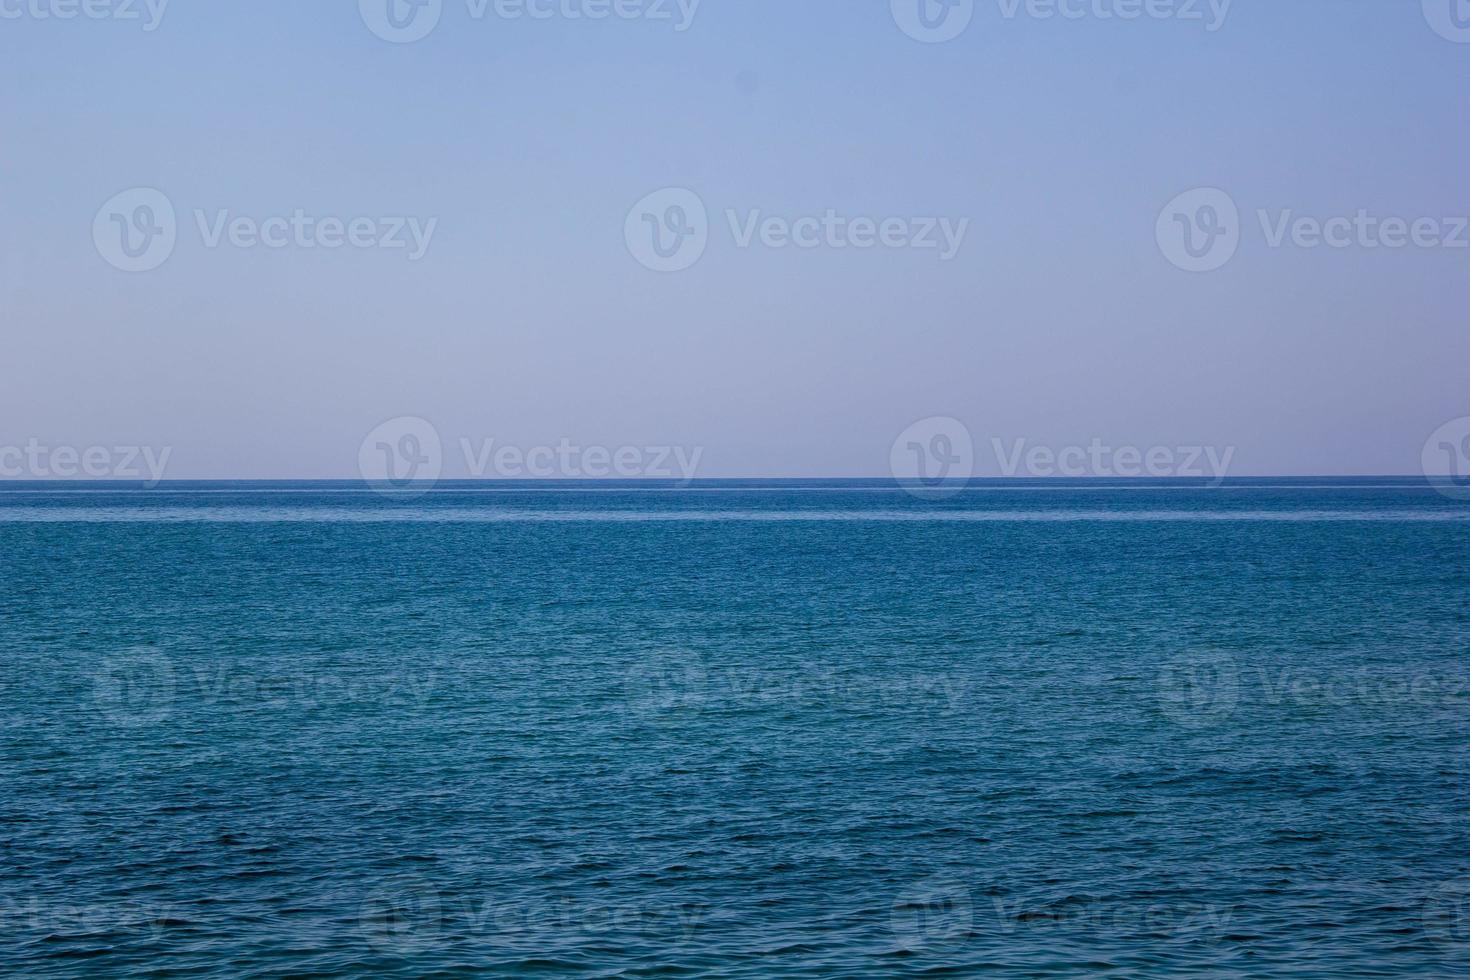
(1050, 147)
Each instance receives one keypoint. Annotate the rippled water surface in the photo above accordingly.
(735, 730)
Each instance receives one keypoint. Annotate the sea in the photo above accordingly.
(735, 729)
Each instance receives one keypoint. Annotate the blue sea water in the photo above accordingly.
(755, 730)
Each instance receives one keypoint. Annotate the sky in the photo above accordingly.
(873, 219)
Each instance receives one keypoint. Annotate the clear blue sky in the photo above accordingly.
(527, 320)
